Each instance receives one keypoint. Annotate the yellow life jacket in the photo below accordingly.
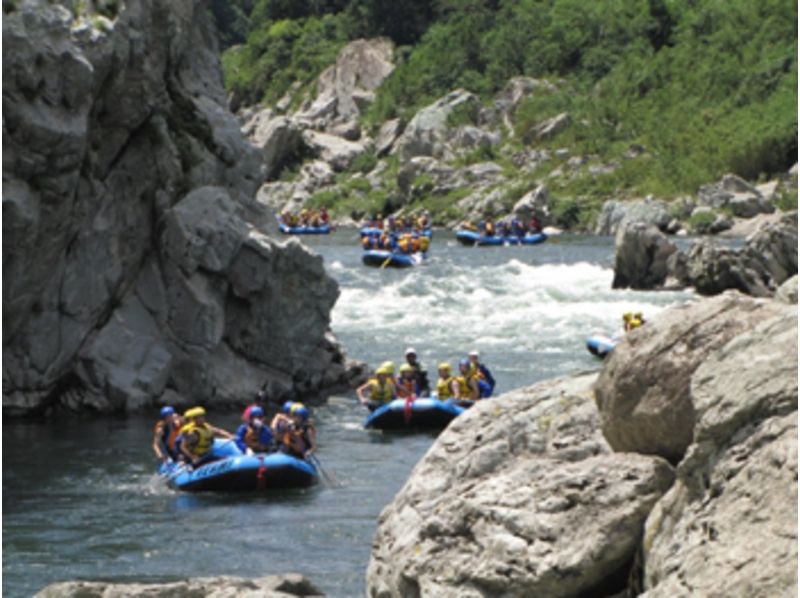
(475, 372)
(382, 394)
(406, 387)
(443, 389)
(205, 438)
(424, 243)
(465, 390)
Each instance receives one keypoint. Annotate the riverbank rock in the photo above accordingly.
(643, 392)
(615, 214)
(137, 267)
(271, 586)
(735, 194)
(540, 507)
(641, 256)
(729, 525)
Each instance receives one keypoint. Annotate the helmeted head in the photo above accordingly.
(411, 355)
(473, 356)
(300, 411)
(256, 412)
(463, 365)
(388, 366)
(406, 370)
(382, 373)
(287, 407)
(167, 411)
(444, 368)
(626, 317)
(195, 413)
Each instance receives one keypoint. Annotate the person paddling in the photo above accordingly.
(198, 436)
(165, 434)
(300, 438)
(381, 389)
(254, 436)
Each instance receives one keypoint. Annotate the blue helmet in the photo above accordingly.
(287, 406)
(167, 411)
(256, 411)
(463, 362)
(300, 411)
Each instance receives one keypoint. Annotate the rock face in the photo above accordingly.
(615, 214)
(272, 586)
(643, 392)
(737, 195)
(641, 257)
(768, 259)
(729, 525)
(537, 508)
(137, 267)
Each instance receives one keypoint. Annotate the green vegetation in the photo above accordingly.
(704, 86)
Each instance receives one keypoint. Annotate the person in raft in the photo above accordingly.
(381, 389)
(260, 400)
(197, 436)
(420, 374)
(282, 420)
(631, 320)
(165, 435)
(466, 387)
(485, 379)
(254, 436)
(407, 385)
(299, 439)
(447, 385)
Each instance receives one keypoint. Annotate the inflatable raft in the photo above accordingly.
(428, 413)
(600, 345)
(234, 471)
(304, 230)
(369, 231)
(468, 237)
(383, 258)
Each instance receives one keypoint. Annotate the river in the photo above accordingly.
(81, 501)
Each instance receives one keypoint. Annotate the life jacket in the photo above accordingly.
(296, 441)
(252, 438)
(465, 390)
(381, 394)
(489, 229)
(424, 243)
(205, 438)
(443, 389)
(405, 243)
(406, 387)
(475, 372)
(415, 244)
(168, 434)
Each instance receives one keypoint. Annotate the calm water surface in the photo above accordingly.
(81, 501)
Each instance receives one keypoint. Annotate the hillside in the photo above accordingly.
(691, 89)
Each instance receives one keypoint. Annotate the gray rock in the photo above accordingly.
(387, 135)
(787, 292)
(129, 222)
(615, 214)
(641, 256)
(534, 203)
(643, 390)
(549, 128)
(733, 192)
(538, 508)
(271, 586)
(431, 127)
(729, 525)
(279, 140)
(337, 152)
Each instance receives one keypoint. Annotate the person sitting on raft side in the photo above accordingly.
(300, 438)
(420, 374)
(282, 420)
(446, 385)
(381, 389)
(485, 379)
(407, 385)
(165, 434)
(466, 388)
(198, 436)
(254, 436)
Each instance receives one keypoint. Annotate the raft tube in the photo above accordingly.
(384, 258)
(237, 472)
(468, 237)
(304, 230)
(600, 345)
(428, 413)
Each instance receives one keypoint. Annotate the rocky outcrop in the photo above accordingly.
(137, 267)
(641, 257)
(538, 508)
(729, 525)
(615, 214)
(768, 258)
(643, 392)
(734, 193)
(272, 586)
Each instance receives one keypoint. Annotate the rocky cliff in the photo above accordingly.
(566, 488)
(137, 267)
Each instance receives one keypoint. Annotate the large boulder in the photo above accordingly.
(137, 267)
(615, 214)
(272, 586)
(431, 127)
(641, 257)
(729, 525)
(643, 391)
(338, 152)
(520, 496)
(534, 203)
(279, 140)
(734, 193)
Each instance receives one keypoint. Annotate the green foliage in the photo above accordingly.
(701, 222)
(232, 21)
(364, 162)
(786, 200)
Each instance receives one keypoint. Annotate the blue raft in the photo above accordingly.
(428, 413)
(371, 231)
(304, 230)
(234, 471)
(600, 345)
(468, 237)
(383, 258)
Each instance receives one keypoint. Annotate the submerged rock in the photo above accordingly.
(271, 586)
(520, 496)
(137, 267)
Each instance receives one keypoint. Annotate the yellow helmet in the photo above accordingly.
(194, 412)
(406, 367)
(627, 315)
(383, 372)
(444, 366)
(388, 365)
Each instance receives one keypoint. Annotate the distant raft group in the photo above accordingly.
(396, 242)
(514, 232)
(306, 222)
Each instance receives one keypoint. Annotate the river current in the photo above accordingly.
(81, 500)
